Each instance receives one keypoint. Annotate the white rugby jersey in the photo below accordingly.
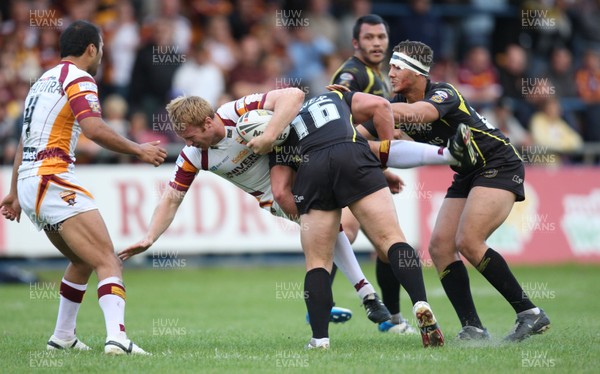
(229, 159)
(60, 98)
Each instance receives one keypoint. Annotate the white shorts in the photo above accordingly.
(50, 199)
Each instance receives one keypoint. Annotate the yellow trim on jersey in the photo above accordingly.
(444, 121)
(371, 78)
(339, 94)
(336, 72)
(496, 138)
(462, 106)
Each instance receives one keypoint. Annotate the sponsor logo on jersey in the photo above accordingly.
(442, 94)
(93, 102)
(87, 86)
(29, 153)
(491, 173)
(437, 98)
(346, 77)
(68, 197)
(517, 179)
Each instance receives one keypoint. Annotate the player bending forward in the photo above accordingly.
(212, 144)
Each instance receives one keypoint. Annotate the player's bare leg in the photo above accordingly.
(318, 235)
(377, 215)
(72, 290)
(485, 210)
(452, 271)
(87, 237)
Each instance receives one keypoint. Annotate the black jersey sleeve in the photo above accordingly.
(349, 77)
(444, 99)
(347, 96)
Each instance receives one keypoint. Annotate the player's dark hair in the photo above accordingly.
(417, 50)
(76, 38)
(370, 19)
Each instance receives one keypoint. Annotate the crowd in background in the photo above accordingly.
(531, 68)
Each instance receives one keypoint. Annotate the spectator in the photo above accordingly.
(478, 79)
(588, 85)
(220, 43)
(153, 70)
(122, 38)
(561, 74)
(513, 74)
(421, 24)
(549, 130)
(321, 22)
(248, 71)
(198, 76)
(306, 52)
(501, 117)
(140, 130)
(7, 136)
(344, 43)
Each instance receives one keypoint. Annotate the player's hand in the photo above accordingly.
(337, 87)
(135, 249)
(10, 207)
(261, 145)
(151, 153)
(395, 183)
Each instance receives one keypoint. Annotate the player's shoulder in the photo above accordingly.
(71, 74)
(441, 91)
(352, 69)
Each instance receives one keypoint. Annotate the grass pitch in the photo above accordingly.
(252, 320)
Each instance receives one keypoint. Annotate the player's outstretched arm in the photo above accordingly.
(285, 104)
(10, 207)
(97, 130)
(367, 106)
(419, 112)
(163, 216)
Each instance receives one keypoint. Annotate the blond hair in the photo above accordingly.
(189, 110)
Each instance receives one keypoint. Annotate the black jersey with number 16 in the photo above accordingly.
(329, 112)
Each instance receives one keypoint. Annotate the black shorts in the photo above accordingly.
(334, 177)
(496, 174)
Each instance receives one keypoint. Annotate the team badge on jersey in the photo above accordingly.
(93, 102)
(69, 197)
(439, 97)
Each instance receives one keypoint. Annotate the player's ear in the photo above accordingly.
(92, 50)
(354, 44)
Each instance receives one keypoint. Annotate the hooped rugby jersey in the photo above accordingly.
(228, 159)
(57, 101)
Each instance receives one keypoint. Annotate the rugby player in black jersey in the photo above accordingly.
(479, 199)
(362, 73)
(337, 169)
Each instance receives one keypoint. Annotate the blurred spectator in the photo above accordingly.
(8, 142)
(478, 79)
(141, 132)
(501, 117)
(561, 74)
(588, 85)
(549, 25)
(421, 24)
(344, 43)
(220, 43)
(246, 14)
(306, 52)
(513, 74)
(478, 25)
(47, 48)
(549, 130)
(170, 10)
(213, 8)
(153, 70)
(198, 76)
(321, 22)
(115, 110)
(248, 72)
(122, 38)
(587, 16)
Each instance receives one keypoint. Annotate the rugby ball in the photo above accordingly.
(254, 123)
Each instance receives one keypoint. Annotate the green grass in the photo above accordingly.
(232, 320)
